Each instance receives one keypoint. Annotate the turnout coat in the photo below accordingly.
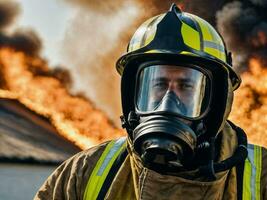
(113, 170)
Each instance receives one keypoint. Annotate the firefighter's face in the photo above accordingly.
(183, 86)
(178, 80)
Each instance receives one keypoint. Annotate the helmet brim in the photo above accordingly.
(139, 58)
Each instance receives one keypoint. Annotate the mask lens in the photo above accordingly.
(177, 89)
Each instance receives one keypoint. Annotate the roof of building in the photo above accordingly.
(26, 136)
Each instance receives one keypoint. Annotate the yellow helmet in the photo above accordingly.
(180, 34)
(179, 37)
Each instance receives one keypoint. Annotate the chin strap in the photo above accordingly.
(238, 157)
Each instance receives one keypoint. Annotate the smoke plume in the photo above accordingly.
(27, 41)
(27, 77)
(244, 28)
(8, 12)
(96, 38)
(22, 39)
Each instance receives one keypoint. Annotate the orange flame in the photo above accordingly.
(77, 120)
(250, 104)
(74, 117)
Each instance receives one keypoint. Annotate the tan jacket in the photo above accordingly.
(133, 181)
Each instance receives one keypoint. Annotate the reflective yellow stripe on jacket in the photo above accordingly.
(100, 172)
(251, 177)
(252, 174)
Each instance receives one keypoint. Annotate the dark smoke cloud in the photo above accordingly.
(27, 41)
(22, 39)
(63, 75)
(8, 13)
(260, 2)
(244, 28)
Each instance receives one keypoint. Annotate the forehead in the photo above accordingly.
(173, 71)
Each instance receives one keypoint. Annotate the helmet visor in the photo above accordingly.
(176, 89)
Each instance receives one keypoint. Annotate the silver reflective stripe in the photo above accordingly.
(110, 155)
(214, 46)
(102, 168)
(253, 170)
(252, 174)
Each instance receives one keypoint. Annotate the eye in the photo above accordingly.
(187, 86)
(160, 85)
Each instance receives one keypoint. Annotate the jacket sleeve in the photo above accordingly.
(69, 180)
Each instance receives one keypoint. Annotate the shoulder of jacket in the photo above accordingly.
(254, 149)
(252, 146)
(90, 155)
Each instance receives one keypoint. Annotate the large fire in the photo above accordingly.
(33, 83)
(74, 117)
(78, 120)
(250, 103)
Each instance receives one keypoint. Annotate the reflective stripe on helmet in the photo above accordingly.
(104, 164)
(204, 39)
(191, 37)
(175, 33)
(212, 42)
(145, 33)
(252, 173)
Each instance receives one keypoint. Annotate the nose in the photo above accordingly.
(173, 88)
(171, 103)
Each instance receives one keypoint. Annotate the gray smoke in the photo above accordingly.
(22, 39)
(92, 43)
(8, 13)
(27, 41)
(259, 2)
(244, 28)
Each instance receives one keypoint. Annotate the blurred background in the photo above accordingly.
(60, 92)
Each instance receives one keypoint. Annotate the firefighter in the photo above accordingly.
(177, 90)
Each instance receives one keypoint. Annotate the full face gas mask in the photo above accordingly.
(177, 86)
(168, 100)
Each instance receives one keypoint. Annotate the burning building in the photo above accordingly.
(41, 123)
(42, 91)
(28, 83)
(27, 136)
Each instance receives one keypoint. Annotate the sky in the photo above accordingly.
(70, 37)
(49, 19)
